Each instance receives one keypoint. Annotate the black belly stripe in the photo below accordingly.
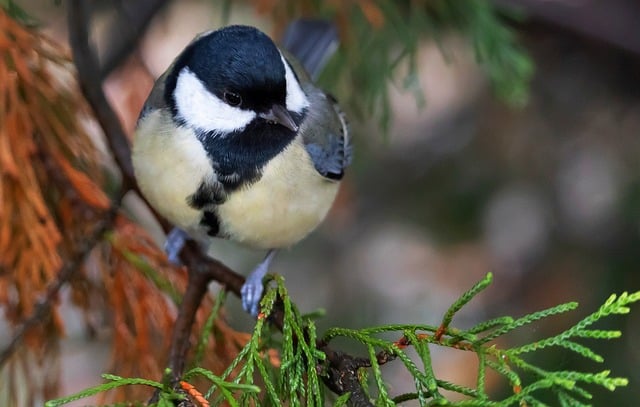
(208, 193)
(211, 223)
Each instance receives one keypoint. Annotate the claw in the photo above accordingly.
(174, 244)
(252, 289)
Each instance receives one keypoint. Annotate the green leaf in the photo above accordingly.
(575, 347)
(297, 381)
(527, 319)
(114, 382)
(465, 298)
(342, 400)
(207, 329)
(19, 14)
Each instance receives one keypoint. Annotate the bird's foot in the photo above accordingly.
(252, 289)
(174, 244)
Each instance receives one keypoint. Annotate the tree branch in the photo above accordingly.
(91, 85)
(133, 20)
(43, 308)
(202, 270)
(342, 376)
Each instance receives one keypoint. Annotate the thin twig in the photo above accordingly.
(91, 85)
(43, 308)
(126, 31)
(342, 376)
(202, 270)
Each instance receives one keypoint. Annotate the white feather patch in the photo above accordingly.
(203, 110)
(296, 99)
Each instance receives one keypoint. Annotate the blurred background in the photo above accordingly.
(545, 195)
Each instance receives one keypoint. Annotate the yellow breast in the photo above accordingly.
(169, 164)
(281, 208)
(286, 204)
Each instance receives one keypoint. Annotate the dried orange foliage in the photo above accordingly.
(51, 198)
(49, 194)
(136, 283)
(140, 313)
(48, 190)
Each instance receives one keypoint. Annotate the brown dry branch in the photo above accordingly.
(53, 212)
(140, 310)
(42, 328)
(126, 31)
(142, 289)
(51, 202)
(90, 82)
(46, 160)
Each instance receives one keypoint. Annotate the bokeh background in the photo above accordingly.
(546, 196)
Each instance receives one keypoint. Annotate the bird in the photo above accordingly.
(236, 142)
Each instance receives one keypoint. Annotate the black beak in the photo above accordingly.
(279, 114)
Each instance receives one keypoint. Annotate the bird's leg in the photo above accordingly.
(174, 244)
(253, 287)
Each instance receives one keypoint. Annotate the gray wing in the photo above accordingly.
(326, 135)
(324, 131)
(155, 100)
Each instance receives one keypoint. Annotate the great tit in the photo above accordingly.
(236, 142)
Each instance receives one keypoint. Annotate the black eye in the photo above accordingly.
(232, 98)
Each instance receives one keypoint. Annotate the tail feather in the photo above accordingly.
(312, 42)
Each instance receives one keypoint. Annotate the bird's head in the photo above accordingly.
(227, 79)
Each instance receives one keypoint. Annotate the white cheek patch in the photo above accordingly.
(296, 99)
(203, 110)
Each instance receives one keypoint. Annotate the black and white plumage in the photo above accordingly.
(236, 142)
